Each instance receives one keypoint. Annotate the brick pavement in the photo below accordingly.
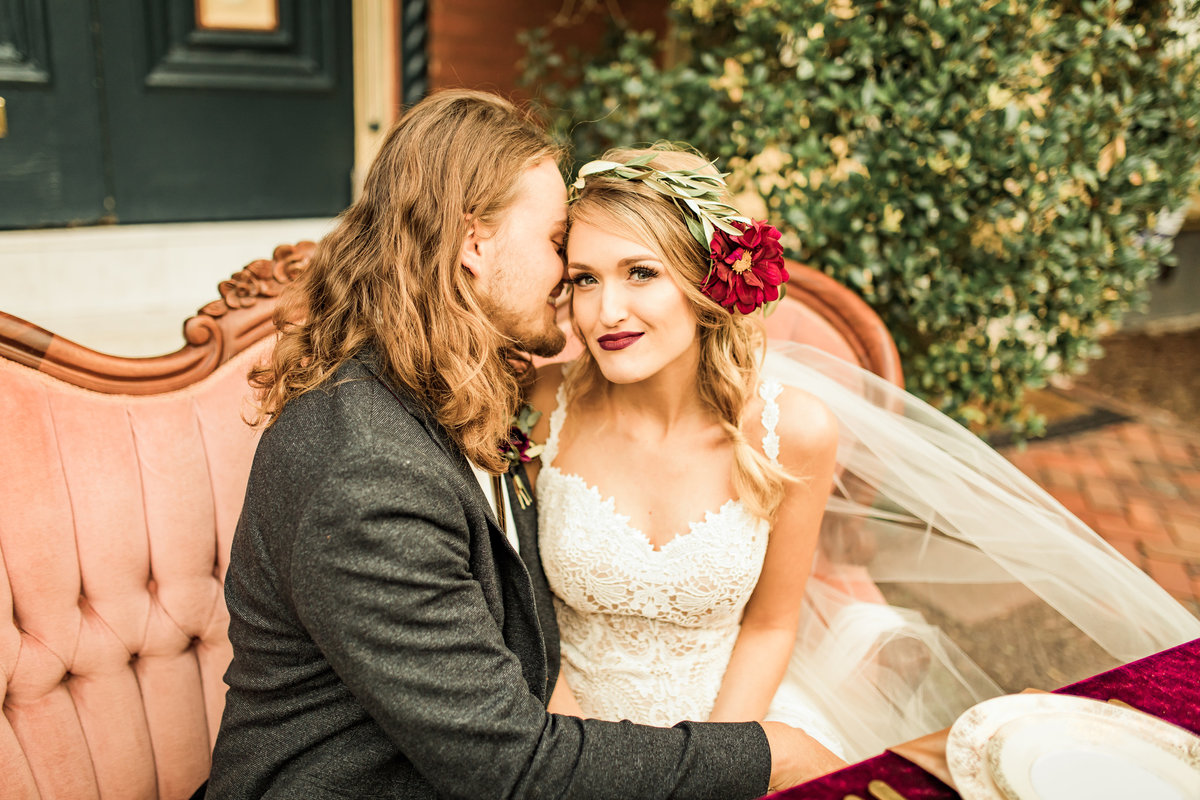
(1137, 484)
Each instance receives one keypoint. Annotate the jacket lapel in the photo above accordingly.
(525, 592)
(527, 536)
(526, 518)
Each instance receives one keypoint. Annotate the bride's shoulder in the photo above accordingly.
(805, 425)
(543, 392)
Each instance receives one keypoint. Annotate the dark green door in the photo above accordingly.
(188, 122)
(52, 156)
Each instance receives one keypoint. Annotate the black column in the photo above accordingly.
(414, 50)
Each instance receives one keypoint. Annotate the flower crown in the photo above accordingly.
(746, 269)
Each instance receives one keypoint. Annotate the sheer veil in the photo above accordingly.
(944, 575)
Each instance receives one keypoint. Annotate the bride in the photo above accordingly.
(734, 533)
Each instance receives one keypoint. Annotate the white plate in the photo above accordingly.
(1059, 747)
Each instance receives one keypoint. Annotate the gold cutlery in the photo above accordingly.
(852, 797)
(880, 790)
(1115, 702)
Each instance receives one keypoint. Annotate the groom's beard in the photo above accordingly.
(534, 337)
(546, 345)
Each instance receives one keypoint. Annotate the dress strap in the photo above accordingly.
(768, 390)
(557, 417)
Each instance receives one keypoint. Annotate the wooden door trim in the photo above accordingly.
(376, 79)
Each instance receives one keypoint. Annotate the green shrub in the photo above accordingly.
(984, 173)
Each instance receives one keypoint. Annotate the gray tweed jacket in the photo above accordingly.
(389, 642)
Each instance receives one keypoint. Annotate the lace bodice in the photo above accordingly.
(646, 634)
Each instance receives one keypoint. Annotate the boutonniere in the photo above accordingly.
(520, 449)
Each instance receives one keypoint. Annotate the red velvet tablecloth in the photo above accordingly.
(1166, 684)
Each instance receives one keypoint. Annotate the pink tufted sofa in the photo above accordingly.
(819, 311)
(121, 481)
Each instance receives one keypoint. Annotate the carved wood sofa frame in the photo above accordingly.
(121, 480)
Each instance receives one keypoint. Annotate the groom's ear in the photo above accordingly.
(473, 255)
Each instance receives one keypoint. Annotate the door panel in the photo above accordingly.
(51, 161)
(228, 124)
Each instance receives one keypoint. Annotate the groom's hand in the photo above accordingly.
(796, 757)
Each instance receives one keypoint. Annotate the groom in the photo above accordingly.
(391, 625)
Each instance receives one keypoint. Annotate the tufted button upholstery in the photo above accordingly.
(116, 516)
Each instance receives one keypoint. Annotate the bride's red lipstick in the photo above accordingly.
(618, 341)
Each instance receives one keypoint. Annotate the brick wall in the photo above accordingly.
(473, 43)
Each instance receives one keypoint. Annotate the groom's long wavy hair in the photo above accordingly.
(389, 273)
(731, 345)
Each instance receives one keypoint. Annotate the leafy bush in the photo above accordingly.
(984, 173)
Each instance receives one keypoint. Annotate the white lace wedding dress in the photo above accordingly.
(647, 633)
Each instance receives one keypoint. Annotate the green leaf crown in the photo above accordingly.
(696, 194)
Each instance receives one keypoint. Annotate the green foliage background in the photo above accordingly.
(984, 173)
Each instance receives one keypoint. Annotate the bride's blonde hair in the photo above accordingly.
(731, 345)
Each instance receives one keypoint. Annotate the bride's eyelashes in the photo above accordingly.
(637, 273)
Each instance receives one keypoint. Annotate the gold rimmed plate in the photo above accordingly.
(1059, 747)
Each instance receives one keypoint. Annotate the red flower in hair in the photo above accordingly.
(747, 270)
